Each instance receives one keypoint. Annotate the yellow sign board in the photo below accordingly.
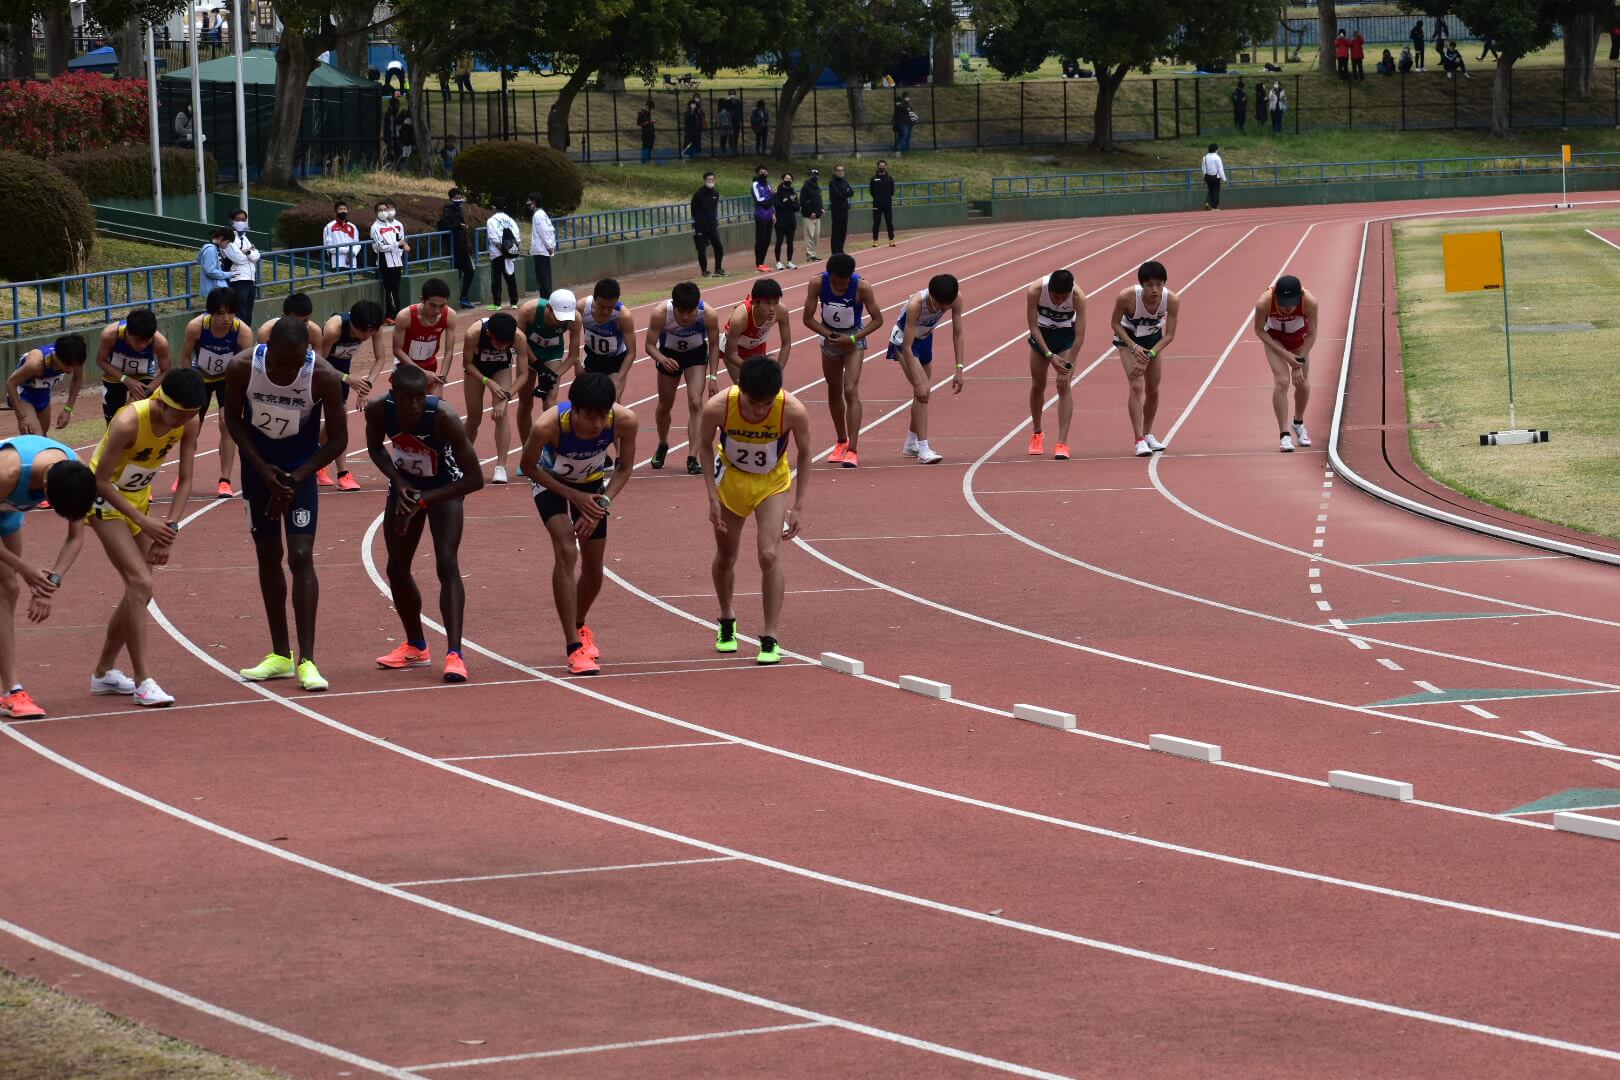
(1566, 153)
(1473, 261)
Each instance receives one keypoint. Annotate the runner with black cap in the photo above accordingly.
(1285, 322)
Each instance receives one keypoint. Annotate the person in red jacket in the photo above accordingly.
(1358, 53)
(1341, 54)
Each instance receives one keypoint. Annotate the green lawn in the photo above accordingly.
(1568, 382)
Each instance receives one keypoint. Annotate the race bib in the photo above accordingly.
(130, 365)
(601, 344)
(756, 458)
(275, 421)
(210, 363)
(838, 317)
(413, 458)
(137, 477)
(420, 350)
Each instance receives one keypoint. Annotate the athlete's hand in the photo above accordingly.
(138, 391)
(28, 425)
(498, 393)
(665, 364)
(957, 382)
(159, 555)
(38, 580)
(435, 379)
(791, 527)
(406, 506)
(162, 534)
(717, 517)
(39, 607)
(361, 388)
(63, 419)
(1060, 364)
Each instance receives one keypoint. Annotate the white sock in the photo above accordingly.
(922, 445)
(911, 439)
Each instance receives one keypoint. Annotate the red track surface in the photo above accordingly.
(886, 885)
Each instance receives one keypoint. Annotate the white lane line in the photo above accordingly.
(1483, 714)
(1362, 645)
(557, 873)
(1539, 737)
(907, 536)
(592, 750)
(755, 592)
(1558, 810)
(1392, 665)
(1427, 687)
(1320, 529)
(1323, 605)
(1060, 491)
(207, 1008)
(1112, 948)
(1602, 239)
(1606, 763)
(673, 1040)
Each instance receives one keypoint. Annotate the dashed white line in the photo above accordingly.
(1427, 687)
(670, 1041)
(1392, 665)
(559, 873)
(1539, 737)
(1483, 714)
(1323, 605)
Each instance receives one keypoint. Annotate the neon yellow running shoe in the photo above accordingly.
(309, 677)
(770, 651)
(273, 666)
(726, 640)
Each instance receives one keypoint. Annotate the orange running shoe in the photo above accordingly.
(838, 452)
(580, 662)
(406, 656)
(19, 706)
(1037, 444)
(347, 482)
(588, 639)
(323, 478)
(849, 461)
(455, 670)
(1061, 453)
(174, 487)
(225, 491)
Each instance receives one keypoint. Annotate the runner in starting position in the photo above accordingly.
(427, 483)
(833, 306)
(131, 355)
(551, 327)
(912, 344)
(749, 328)
(210, 342)
(424, 334)
(564, 457)
(685, 350)
(1144, 322)
(1285, 323)
(1056, 313)
(494, 357)
(610, 330)
(753, 421)
(342, 338)
(29, 388)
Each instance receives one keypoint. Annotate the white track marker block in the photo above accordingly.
(1587, 825)
(1063, 721)
(1370, 785)
(1187, 748)
(926, 687)
(843, 663)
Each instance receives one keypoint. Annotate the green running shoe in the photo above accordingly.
(659, 455)
(724, 642)
(770, 652)
(309, 676)
(272, 667)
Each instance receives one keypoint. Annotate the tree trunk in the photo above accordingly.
(855, 95)
(795, 88)
(417, 69)
(353, 45)
(557, 133)
(58, 40)
(1327, 28)
(945, 47)
(1500, 89)
(610, 83)
(20, 49)
(1102, 120)
(1581, 34)
(295, 61)
(131, 44)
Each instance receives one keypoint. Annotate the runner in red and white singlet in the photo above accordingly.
(424, 333)
(750, 325)
(1285, 321)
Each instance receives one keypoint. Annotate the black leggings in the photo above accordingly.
(497, 275)
(762, 239)
(882, 214)
(391, 277)
(784, 235)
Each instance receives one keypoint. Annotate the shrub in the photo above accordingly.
(302, 225)
(125, 172)
(513, 169)
(71, 113)
(50, 226)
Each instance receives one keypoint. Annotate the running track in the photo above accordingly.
(695, 867)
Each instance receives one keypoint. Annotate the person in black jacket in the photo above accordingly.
(810, 208)
(882, 191)
(839, 193)
(706, 226)
(452, 220)
(786, 202)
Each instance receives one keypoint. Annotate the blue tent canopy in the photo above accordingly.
(103, 61)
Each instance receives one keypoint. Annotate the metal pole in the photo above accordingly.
(152, 120)
(241, 105)
(196, 112)
(1507, 335)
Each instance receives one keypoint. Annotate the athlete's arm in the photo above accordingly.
(543, 434)
(234, 410)
(1273, 347)
(522, 358)
(625, 427)
(908, 362)
(188, 343)
(451, 431)
(665, 363)
(709, 421)
(874, 313)
(264, 331)
(32, 367)
(64, 415)
(121, 434)
(1308, 303)
(328, 388)
(159, 555)
(576, 348)
(160, 347)
(39, 606)
(732, 330)
(1172, 311)
(469, 350)
(1079, 325)
(797, 420)
(378, 451)
(956, 345)
(627, 328)
(711, 334)
(1032, 309)
(104, 348)
(786, 337)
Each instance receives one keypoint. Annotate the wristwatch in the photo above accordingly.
(602, 500)
(55, 580)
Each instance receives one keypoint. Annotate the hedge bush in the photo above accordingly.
(125, 172)
(302, 225)
(50, 227)
(71, 113)
(513, 169)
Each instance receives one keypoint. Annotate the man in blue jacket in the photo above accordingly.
(214, 275)
(764, 216)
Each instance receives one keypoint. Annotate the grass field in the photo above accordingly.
(46, 1035)
(1566, 382)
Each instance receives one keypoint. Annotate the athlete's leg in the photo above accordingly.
(1302, 388)
(525, 408)
(402, 545)
(727, 542)
(10, 589)
(227, 449)
(497, 410)
(1150, 395)
(832, 371)
(474, 390)
(621, 377)
(917, 373)
(306, 590)
(768, 520)
(1038, 366)
(1136, 393)
(695, 378)
(667, 385)
(854, 363)
(127, 627)
(1065, 392)
(1281, 378)
(591, 555)
(268, 548)
(564, 573)
(445, 519)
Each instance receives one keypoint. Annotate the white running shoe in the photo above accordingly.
(1286, 445)
(500, 474)
(929, 456)
(792, 265)
(1143, 449)
(910, 449)
(150, 694)
(1153, 444)
(779, 266)
(1301, 436)
(114, 682)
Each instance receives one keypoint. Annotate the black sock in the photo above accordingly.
(728, 629)
(580, 625)
(1282, 434)
(767, 643)
(1299, 421)
(573, 646)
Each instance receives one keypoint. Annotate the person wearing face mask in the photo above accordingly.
(706, 226)
(839, 194)
(786, 201)
(341, 240)
(243, 259)
(764, 217)
(453, 220)
(810, 207)
(882, 191)
(542, 243)
(388, 241)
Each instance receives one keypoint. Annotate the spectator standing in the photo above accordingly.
(391, 132)
(649, 130)
(504, 240)
(341, 240)
(1214, 177)
(881, 188)
(243, 259)
(786, 204)
(1614, 39)
(839, 194)
(706, 227)
(542, 243)
(811, 209)
(692, 145)
(1240, 107)
(407, 134)
(388, 241)
(464, 67)
(453, 220)
(759, 121)
(1417, 43)
(1442, 33)
(1341, 55)
(905, 117)
(730, 121)
(1262, 99)
(213, 274)
(1358, 57)
(1278, 106)
(737, 114)
(764, 216)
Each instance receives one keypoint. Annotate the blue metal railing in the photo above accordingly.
(1328, 172)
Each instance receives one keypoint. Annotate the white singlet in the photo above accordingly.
(1055, 316)
(1144, 322)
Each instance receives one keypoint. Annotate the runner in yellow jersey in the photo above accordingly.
(752, 479)
(139, 437)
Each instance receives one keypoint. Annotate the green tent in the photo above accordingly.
(340, 126)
